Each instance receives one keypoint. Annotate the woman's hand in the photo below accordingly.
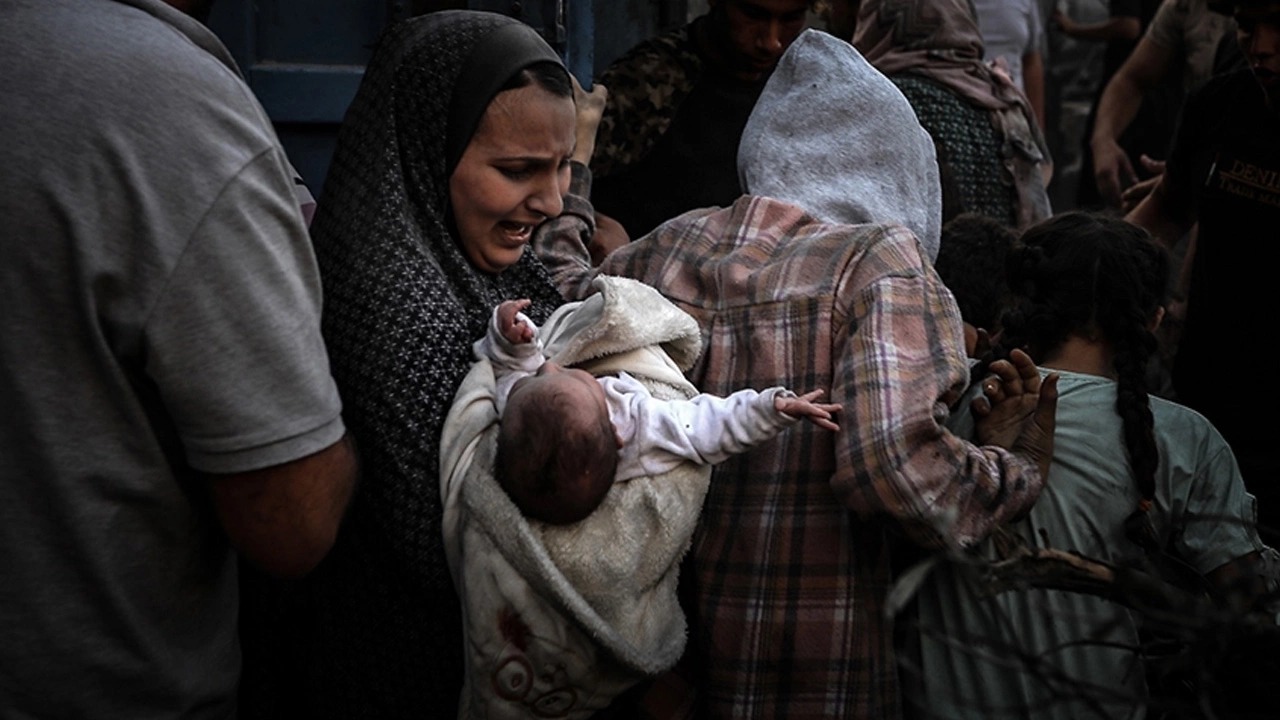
(1017, 409)
(590, 109)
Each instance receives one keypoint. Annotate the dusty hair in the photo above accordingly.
(556, 460)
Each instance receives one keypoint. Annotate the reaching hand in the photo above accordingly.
(590, 109)
(515, 330)
(1017, 409)
(1112, 171)
(1135, 193)
(803, 406)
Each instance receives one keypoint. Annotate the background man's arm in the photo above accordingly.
(1033, 83)
(284, 518)
(1156, 215)
(1145, 68)
(899, 364)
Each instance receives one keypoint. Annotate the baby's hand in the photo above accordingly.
(803, 406)
(516, 331)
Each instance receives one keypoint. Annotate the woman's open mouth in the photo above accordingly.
(517, 233)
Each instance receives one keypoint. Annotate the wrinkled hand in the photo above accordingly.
(1017, 409)
(1137, 192)
(803, 406)
(516, 331)
(1112, 171)
(590, 109)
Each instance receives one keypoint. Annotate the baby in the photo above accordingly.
(566, 436)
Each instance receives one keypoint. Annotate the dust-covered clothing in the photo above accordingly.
(161, 321)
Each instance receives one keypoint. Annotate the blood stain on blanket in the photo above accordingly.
(513, 628)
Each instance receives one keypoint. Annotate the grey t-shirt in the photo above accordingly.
(160, 316)
(1011, 29)
(1191, 32)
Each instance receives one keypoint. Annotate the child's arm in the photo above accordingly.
(803, 406)
(513, 324)
(708, 429)
(511, 342)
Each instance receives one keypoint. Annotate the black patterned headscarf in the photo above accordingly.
(380, 633)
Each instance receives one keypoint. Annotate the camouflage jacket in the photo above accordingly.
(646, 86)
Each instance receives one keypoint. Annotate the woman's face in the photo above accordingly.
(512, 175)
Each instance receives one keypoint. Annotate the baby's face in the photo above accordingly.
(556, 390)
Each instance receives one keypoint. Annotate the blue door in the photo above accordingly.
(304, 58)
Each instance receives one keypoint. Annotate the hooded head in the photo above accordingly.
(834, 136)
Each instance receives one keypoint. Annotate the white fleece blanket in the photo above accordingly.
(561, 619)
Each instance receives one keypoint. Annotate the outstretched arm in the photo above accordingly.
(572, 244)
(589, 108)
(899, 359)
(709, 429)
(1145, 68)
(803, 406)
(1118, 27)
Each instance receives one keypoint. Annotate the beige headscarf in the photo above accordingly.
(939, 39)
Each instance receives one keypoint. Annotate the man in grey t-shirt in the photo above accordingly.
(166, 393)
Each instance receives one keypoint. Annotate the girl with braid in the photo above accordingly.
(1135, 480)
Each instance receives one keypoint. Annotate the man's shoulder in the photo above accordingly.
(145, 85)
(176, 74)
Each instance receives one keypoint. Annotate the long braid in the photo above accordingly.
(1133, 346)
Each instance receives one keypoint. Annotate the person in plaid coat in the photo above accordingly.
(820, 276)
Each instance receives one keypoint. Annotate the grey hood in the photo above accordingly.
(834, 136)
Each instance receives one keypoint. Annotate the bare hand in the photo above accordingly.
(1135, 194)
(590, 109)
(609, 236)
(1112, 171)
(1017, 409)
(515, 330)
(803, 406)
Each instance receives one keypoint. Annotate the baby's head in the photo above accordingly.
(557, 449)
